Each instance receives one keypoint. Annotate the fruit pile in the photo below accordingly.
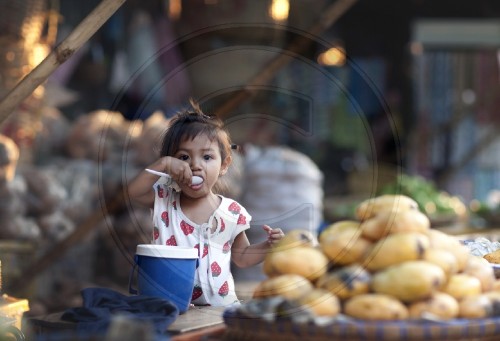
(388, 264)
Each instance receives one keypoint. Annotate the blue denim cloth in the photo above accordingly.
(101, 304)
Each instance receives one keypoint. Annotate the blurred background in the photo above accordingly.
(331, 102)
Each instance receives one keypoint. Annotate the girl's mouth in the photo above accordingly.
(196, 183)
(196, 180)
(196, 187)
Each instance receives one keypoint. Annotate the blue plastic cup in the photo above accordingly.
(166, 272)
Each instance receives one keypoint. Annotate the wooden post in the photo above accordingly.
(81, 34)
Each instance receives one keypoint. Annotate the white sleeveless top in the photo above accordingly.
(214, 283)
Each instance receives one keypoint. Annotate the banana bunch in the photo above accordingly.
(386, 264)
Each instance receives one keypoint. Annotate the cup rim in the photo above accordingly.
(166, 251)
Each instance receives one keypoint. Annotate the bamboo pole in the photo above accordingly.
(81, 34)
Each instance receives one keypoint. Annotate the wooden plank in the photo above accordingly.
(205, 334)
(197, 318)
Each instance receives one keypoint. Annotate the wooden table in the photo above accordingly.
(195, 321)
(195, 324)
(198, 323)
(197, 318)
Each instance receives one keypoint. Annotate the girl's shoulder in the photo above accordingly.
(230, 205)
(232, 209)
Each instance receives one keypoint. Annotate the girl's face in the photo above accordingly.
(204, 158)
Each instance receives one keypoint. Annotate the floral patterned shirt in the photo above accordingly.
(214, 283)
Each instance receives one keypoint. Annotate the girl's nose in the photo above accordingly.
(195, 163)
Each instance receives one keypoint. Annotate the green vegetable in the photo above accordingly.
(430, 199)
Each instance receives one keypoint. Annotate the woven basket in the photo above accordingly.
(240, 327)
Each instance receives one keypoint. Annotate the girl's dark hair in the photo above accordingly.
(191, 123)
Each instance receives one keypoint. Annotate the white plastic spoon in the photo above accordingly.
(196, 180)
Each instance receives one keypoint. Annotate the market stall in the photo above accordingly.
(68, 225)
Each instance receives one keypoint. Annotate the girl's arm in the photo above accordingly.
(244, 254)
(140, 188)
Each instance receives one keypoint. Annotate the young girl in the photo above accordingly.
(193, 215)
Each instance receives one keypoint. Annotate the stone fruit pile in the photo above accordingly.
(388, 264)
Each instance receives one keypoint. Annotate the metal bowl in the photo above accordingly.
(496, 267)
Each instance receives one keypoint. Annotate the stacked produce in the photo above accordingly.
(387, 264)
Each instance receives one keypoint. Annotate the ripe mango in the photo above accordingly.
(338, 227)
(297, 237)
(441, 240)
(389, 222)
(388, 202)
(375, 307)
(409, 281)
(290, 286)
(440, 305)
(346, 282)
(308, 262)
(462, 285)
(396, 248)
(442, 258)
(321, 302)
(476, 306)
(481, 269)
(345, 247)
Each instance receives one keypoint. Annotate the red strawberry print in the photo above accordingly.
(222, 225)
(205, 250)
(242, 220)
(156, 233)
(224, 289)
(171, 241)
(197, 292)
(160, 191)
(164, 218)
(215, 268)
(174, 204)
(226, 248)
(234, 208)
(186, 228)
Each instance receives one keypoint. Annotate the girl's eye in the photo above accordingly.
(183, 157)
(207, 157)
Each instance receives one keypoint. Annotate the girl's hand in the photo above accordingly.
(273, 235)
(179, 170)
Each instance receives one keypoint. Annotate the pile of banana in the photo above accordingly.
(387, 264)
